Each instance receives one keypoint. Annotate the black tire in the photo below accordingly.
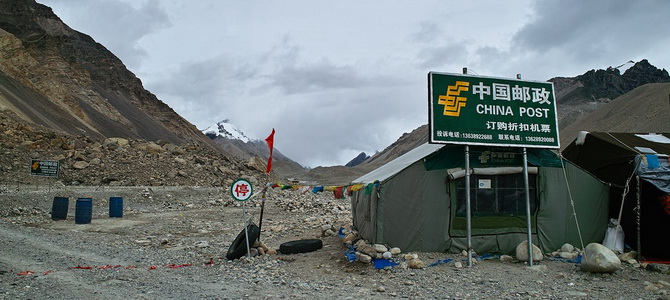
(300, 246)
(239, 246)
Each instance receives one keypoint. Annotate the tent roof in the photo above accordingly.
(610, 155)
(631, 143)
(400, 163)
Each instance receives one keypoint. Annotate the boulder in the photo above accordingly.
(349, 238)
(115, 143)
(599, 259)
(567, 248)
(80, 165)
(153, 148)
(395, 251)
(522, 252)
(364, 258)
(416, 264)
(380, 248)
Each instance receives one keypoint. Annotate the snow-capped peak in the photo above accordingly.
(227, 130)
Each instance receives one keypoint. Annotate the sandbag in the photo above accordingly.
(614, 237)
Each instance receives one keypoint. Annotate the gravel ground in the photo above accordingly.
(171, 244)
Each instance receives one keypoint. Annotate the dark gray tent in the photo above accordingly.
(416, 201)
(636, 167)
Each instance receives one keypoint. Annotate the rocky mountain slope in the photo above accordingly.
(54, 76)
(65, 97)
(578, 96)
(644, 109)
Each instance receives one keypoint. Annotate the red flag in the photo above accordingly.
(270, 140)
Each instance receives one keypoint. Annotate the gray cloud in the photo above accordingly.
(119, 26)
(345, 77)
(606, 31)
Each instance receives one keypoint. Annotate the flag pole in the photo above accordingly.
(270, 141)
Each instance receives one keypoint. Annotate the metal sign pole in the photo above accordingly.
(527, 192)
(242, 190)
(467, 203)
(246, 232)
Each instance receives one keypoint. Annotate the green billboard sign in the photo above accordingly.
(47, 168)
(476, 110)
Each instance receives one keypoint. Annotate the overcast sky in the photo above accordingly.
(336, 78)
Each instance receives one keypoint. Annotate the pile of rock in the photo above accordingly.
(567, 251)
(365, 252)
(113, 161)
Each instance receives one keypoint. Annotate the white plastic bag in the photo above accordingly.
(614, 237)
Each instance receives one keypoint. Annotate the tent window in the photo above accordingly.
(496, 195)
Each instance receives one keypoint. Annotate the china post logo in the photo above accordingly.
(453, 101)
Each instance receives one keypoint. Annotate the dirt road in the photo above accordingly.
(171, 244)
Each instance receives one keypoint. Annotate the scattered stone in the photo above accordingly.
(350, 238)
(367, 249)
(628, 256)
(599, 259)
(660, 268)
(568, 255)
(79, 165)
(381, 289)
(575, 294)
(458, 265)
(506, 258)
(410, 256)
(539, 268)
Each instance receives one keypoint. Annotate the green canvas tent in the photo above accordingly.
(416, 202)
(636, 167)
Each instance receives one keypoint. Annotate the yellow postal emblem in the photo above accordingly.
(453, 101)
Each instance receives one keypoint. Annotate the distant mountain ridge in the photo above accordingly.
(580, 95)
(226, 130)
(357, 160)
(234, 142)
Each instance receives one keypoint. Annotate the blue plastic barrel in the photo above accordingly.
(59, 208)
(83, 211)
(115, 207)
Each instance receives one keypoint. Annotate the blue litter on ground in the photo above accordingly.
(486, 256)
(381, 263)
(340, 232)
(350, 253)
(577, 260)
(442, 261)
